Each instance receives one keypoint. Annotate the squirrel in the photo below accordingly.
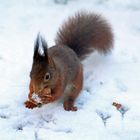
(57, 72)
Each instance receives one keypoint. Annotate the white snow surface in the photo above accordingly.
(108, 79)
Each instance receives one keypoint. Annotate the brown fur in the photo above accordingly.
(81, 35)
(85, 32)
(78, 84)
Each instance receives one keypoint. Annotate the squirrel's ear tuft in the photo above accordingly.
(40, 49)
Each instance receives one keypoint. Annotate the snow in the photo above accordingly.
(36, 98)
(108, 79)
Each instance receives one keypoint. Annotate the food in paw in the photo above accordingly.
(37, 100)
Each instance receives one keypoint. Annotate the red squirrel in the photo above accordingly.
(57, 72)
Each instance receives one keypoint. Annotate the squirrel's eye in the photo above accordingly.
(47, 76)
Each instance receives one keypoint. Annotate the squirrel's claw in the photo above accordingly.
(30, 105)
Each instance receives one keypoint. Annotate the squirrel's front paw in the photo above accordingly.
(30, 105)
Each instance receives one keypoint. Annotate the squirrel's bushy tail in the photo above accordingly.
(84, 33)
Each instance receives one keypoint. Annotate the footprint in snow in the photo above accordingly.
(4, 106)
(4, 111)
(104, 116)
(64, 130)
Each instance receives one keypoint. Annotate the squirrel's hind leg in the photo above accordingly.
(77, 85)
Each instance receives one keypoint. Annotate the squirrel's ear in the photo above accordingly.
(40, 49)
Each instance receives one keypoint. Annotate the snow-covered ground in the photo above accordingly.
(108, 79)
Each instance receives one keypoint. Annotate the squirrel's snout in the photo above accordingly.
(38, 89)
